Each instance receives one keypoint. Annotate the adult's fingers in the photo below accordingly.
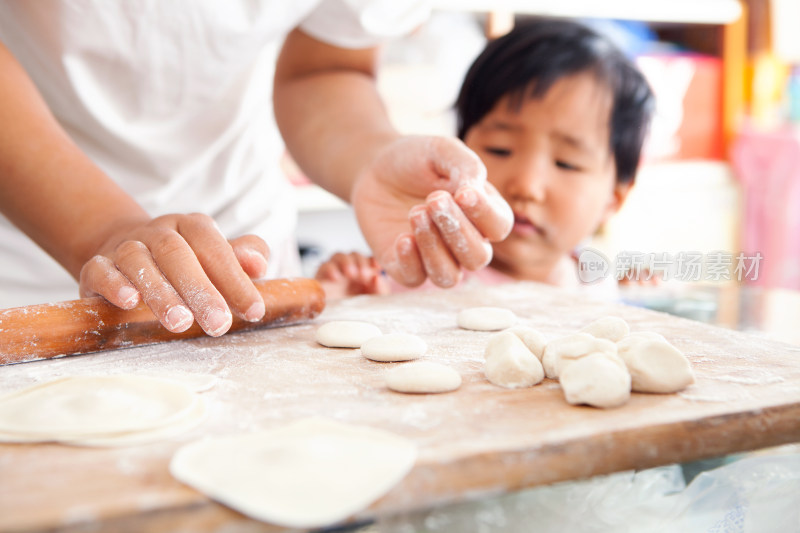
(216, 261)
(135, 261)
(487, 210)
(462, 239)
(451, 159)
(403, 261)
(100, 277)
(439, 264)
(253, 255)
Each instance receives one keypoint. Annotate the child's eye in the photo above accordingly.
(566, 166)
(500, 152)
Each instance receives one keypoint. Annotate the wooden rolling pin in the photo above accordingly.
(92, 324)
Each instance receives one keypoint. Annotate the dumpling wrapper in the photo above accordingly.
(312, 473)
(79, 406)
(189, 421)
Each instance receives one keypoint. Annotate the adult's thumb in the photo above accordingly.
(452, 160)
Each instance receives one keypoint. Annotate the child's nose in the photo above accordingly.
(530, 178)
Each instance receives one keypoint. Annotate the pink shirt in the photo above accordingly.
(564, 276)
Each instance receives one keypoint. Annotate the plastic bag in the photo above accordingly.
(757, 494)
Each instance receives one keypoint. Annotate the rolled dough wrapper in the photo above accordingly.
(423, 377)
(510, 364)
(486, 318)
(192, 419)
(84, 406)
(310, 474)
(346, 333)
(564, 350)
(596, 380)
(612, 328)
(393, 347)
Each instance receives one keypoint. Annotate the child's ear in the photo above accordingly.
(618, 196)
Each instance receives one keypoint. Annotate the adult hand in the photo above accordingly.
(426, 210)
(184, 269)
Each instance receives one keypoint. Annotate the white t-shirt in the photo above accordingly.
(173, 100)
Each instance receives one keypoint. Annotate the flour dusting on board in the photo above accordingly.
(270, 377)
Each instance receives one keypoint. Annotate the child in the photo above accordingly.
(558, 116)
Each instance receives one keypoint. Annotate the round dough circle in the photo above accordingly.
(423, 377)
(79, 406)
(393, 347)
(346, 333)
(486, 318)
(189, 421)
(310, 474)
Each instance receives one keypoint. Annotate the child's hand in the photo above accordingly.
(184, 269)
(426, 210)
(350, 275)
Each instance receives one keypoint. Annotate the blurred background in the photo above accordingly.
(721, 168)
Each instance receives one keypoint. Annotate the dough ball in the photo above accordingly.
(629, 341)
(510, 364)
(596, 380)
(393, 347)
(532, 338)
(612, 328)
(423, 377)
(558, 353)
(346, 333)
(657, 366)
(486, 318)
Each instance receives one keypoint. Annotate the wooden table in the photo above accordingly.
(477, 441)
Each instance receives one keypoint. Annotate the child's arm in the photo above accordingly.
(180, 265)
(350, 275)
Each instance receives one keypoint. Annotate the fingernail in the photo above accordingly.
(404, 245)
(255, 312)
(218, 322)
(179, 318)
(128, 296)
(420, 220)
(436, 196)
(467, 197)
(439, 203)
(258, 258)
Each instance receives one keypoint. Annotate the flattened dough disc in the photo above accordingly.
(312, 473)
(90, 405)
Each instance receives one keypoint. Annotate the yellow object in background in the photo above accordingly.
(767, 80)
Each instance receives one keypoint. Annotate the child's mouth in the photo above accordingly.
(525, 227)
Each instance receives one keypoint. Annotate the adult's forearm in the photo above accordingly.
(329, 111)
(48, 187)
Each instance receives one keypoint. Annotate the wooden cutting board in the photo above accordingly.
(476, 441)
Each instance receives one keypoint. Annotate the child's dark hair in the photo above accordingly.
(534, 55)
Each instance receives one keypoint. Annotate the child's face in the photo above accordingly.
(551, 161)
